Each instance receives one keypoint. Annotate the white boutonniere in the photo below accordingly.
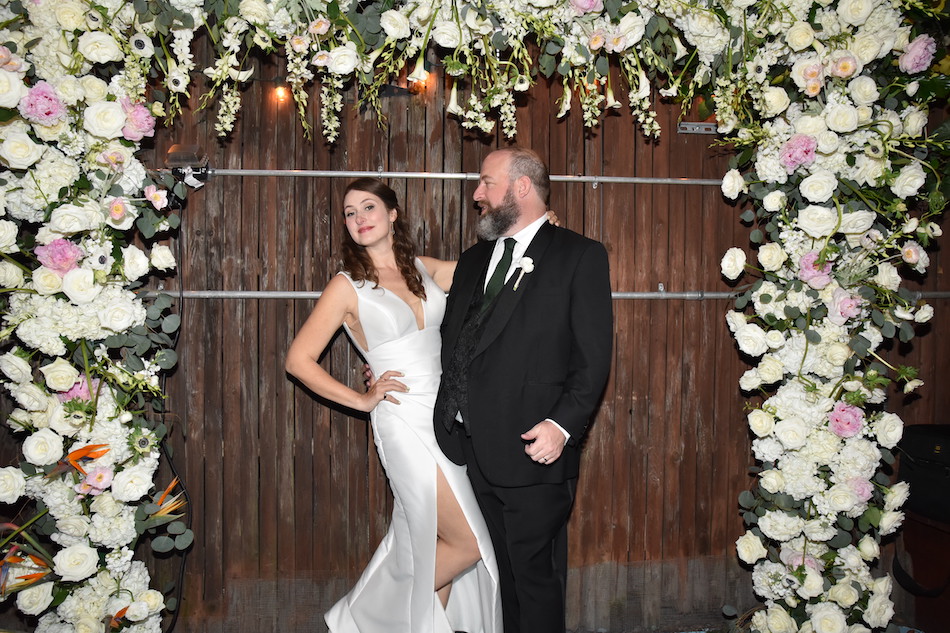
(527, 266)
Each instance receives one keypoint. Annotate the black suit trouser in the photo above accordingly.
(528, 528)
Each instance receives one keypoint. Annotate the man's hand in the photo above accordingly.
(547, 442)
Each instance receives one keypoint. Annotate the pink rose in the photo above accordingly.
(79, 390)
(42, 105)
(918, 55)
(843, 306)
(60, 255)
(846, 420)
(588, 6)
(158, 197)
(9, 61)
(139, 122)
(862, 488)
(815, 276)
(798, 150)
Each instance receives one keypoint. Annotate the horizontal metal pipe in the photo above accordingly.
(689, 295)
(428, 175)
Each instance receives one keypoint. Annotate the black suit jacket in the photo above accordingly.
(544, 352)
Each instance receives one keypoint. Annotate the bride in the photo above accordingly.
(434, 571)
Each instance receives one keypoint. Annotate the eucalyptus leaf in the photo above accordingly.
(163, 544)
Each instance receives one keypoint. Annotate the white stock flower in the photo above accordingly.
(749, 548)
(12, 484)
(819, 186)
(817, 221)
(60, 374)
(35, 599)
(43, 447)
(19, 151)
(99, 47)
(80, 286)
(76, 562)
(733, 263)
(104, 119)
(162, 257)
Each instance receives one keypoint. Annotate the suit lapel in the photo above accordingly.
(509, 298)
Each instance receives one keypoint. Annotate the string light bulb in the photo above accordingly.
(281, 90)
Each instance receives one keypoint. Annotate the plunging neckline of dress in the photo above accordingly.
(409, 307)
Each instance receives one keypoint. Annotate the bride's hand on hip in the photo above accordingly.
(382, 389)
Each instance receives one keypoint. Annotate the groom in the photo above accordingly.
(526, 349)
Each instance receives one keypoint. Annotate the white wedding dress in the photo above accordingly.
(395, 593)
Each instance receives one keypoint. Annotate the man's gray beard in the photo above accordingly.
(495, 222)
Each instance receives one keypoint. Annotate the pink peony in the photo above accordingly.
(862, 488)
(918, 55)
(139, 122)
(843, 306)
(798, 150)
(846, 420)
(60, 255)
(813, 275)
(587, 6)
(41, 105)
(79, 390)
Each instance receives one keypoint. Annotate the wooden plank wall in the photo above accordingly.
(287, 497)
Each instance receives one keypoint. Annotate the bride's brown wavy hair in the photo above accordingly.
(357, 262)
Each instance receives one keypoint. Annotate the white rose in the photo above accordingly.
(749, 548)
(99, 47)
(800, 36)
(924, 313)
(118, 316)
(43, 447)
(106, 505)
(889, 429)
(137, 611)
(132, 483)
(915, 120)
(76, 525)
(29, 396)
(896, 496)
(870, 549)
(12, 484)
(879, 611)
(46, 282)
(8, 236)
(60, 375)
(867, 47)
(76, 562)
(855, 12)
(887, 276)
(813, 585)
(733, 184)
(771, 370)
(162, 257)
(749, 380)
(837, 353)
(134, 262)
(154, 600)
(772, 256)
(733, 263)
(632, 26)
(11, 275)
(751, 340)
(774, 201)
(772, 480)
(863, 90)
(15, 368)
(12, 89)
(104, 119)
(70, 15)
(844, 594)
(19, 151)
(775, 101)
(34, 600)
(395, 24)
(779, 621)
(343, 60)
(828, 142)
(255, 11)
(909, 181)
(761, 422)
(857, 222)
(817, 221)
(775, 339)
(792, 432)
(70, 218)
(819, 186)
(841, 117)
(93, 88)
(827, 617)
(80, 286)
(810, 124)
(446, 34)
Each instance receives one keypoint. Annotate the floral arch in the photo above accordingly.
(826, 102)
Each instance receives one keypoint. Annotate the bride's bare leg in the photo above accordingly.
(456, 549)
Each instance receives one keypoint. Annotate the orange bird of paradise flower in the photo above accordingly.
(76, 457)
